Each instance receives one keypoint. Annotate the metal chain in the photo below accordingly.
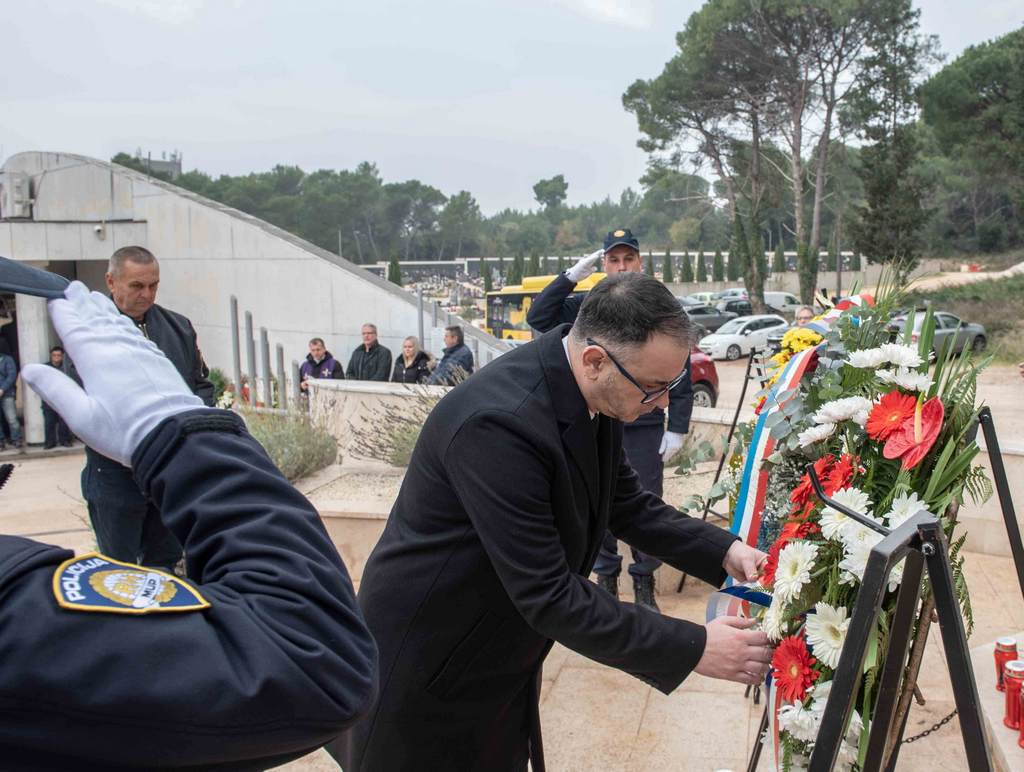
(935, 727)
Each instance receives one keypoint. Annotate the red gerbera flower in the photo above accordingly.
(890, 414)
(803, 492)
(840, 475)
(791, 668)
(771, 565)
(917, 434)
(798, 529)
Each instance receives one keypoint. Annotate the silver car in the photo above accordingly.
(964, 334)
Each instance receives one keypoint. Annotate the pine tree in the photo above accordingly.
(394, 272)
(779, 260)
(718, 267)
(650, 264)
(667, 275)
(702, 268)
(686, 275)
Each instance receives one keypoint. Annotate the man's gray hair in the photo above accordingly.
(627, 309)
(135, 254)
(371, 326)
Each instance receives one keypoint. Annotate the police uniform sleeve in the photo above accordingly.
(554, 305)
(280, 662)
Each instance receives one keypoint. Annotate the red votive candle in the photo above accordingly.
(1013, 677)
(1006, 650)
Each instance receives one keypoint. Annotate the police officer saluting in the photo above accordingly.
(109, 665)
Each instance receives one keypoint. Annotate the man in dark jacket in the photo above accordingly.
(55, 430)
(108, 665)
(648, 444)
(457, 363)
(8, 396)
(370, 361)
(127, 525)
(484, 560)
(320, 363)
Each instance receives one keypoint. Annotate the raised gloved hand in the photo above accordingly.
(671, 442)
(130, 386)
(584, 267)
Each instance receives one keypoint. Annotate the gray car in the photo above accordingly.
(708, 317)
(947, 326)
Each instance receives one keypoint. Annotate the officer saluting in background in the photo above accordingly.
(105, 664)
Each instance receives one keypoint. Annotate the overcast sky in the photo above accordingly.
(484, 96)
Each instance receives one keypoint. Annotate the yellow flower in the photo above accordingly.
(800, 338)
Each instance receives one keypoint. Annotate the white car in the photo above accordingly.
(738, 337)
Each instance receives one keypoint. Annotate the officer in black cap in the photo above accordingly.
(647, 443)
(109, 665)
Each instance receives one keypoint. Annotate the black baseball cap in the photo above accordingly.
(621, 236)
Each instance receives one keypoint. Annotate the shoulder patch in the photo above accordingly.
(94, 582)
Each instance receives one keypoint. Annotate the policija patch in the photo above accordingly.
(94, 582)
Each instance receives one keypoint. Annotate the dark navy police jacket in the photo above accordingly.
(279, 663)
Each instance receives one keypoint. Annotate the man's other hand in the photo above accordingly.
(734, 652)
(584, 267)
(744, 563)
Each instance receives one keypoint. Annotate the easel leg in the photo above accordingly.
(755, 754)
(995, 459)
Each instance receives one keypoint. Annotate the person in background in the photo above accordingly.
(457, 363)
(370, 361)
(127, 524)
(804, 314)
(55, 431)
(8, 393)
(320, 363)
(413, 366)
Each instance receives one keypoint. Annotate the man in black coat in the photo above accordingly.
(484, 560)
(127, 525)
(647, 442)
(370, 361)
(108, 665)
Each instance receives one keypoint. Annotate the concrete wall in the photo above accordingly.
(85, 208)
(341, 407)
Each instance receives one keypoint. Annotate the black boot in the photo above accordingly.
(610, 584)
(643, 591)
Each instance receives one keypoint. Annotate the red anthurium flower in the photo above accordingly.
(890, 414)
(791, 669)
(917, 434)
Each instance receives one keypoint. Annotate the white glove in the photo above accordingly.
(584, 267)
(671, 442)
(130, 386)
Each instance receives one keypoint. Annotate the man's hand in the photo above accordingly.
(671, 442)
(1, 392)
(733, 652)
(744, 563)
(130, 386)
(303, 386)
(584, 267)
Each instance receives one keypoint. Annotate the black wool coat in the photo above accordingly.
(484, 563)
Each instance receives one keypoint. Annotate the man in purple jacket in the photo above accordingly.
(319, 364)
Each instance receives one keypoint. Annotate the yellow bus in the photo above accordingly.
(507, 308)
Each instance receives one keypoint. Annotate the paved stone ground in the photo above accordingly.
(596, 718)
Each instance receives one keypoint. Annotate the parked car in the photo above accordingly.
(705, 379)
(964, 334)
(785, 302)
(689, 300)
(736, 306)
(708, 317)
(732, 292)
(742, 335)
(703, 297)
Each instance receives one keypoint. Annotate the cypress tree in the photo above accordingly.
(686, 275)
(732, 267)
(650, 264)
(855, 261)
(501, 268)
(718, 267)
(832, 260)
(702, 267)
(779, 260)
(667, 275)
(534, 267)
(488, 283)
(561, 263)
(394, 272)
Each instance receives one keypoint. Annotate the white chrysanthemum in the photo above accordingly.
(900, 355)
(845, 409)
(908, 380)
(801, 723)
(903, 508)
(826, 632)
(815, 434)
(867, 357)
(794, 570)
(858, 545)
(773, 620)
(833, 522)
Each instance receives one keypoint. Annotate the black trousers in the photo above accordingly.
(55, 431)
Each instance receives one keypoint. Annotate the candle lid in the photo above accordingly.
(1006, 643)
(1014, 668)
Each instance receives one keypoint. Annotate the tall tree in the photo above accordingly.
(667, 274)
(649, 266)
(458, 222)
(686, 275)
(779, 260)
(718, 267)
(702, 267)
(394, 271)
(551, 193)
(534, 267)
